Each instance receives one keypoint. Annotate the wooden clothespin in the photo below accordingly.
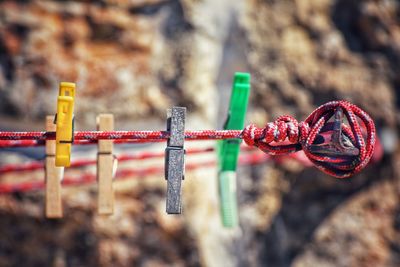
(105, 166)
(229, 150)
(64, 121)
(53, 176)
(174, 159)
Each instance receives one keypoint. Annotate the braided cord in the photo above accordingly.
(145, 136)
(286, 135)
(283, 136)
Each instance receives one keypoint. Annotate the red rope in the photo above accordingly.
(303, 135)
(283, 136)
(144, 136)
(36, 143)
(244, 159)
(250, 159)
(37, 165)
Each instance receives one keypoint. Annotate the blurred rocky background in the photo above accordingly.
(137, 58)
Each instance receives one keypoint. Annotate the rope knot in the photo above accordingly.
(252, 134)
(335, 148)
(285, 129)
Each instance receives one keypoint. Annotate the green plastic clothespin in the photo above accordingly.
(229, 149)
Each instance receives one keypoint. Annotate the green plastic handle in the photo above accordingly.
(229, 149)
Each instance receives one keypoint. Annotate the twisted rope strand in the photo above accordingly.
(303, 136)
(283, 136)
(146, 136)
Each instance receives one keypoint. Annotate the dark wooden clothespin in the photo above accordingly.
(174, 159)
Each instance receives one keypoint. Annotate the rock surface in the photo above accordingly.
(135, 59)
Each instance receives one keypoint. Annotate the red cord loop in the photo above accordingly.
(335, 148)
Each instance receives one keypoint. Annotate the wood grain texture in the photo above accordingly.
(105, 122)
(53, 189)
(50, 144)
(53, 176)
(105, 162)
(105, 180)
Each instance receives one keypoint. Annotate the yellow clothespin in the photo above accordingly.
(64, 121)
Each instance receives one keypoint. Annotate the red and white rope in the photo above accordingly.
(284, 135)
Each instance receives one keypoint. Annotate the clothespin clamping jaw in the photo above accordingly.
(64, 121)
(174, 159)
(229, 150)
